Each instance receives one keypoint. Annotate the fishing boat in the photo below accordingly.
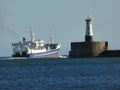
(36, 48)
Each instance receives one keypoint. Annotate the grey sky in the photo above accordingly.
(63, 18)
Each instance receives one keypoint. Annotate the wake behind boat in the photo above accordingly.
(36, 48)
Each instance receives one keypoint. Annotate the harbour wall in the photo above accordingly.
(110, 53)
(88, 49)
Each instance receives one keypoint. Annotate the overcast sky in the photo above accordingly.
(65, 19)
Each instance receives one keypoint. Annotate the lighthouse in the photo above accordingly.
(89, 31)
(88, 48)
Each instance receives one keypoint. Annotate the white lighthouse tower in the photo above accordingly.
(89, 31)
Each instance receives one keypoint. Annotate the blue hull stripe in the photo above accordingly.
(44, 53)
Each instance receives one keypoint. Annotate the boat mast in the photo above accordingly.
(32, 34)
(52, 40)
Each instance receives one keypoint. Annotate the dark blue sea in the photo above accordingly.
(60, 74)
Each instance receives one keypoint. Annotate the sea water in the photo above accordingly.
(60, 74)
